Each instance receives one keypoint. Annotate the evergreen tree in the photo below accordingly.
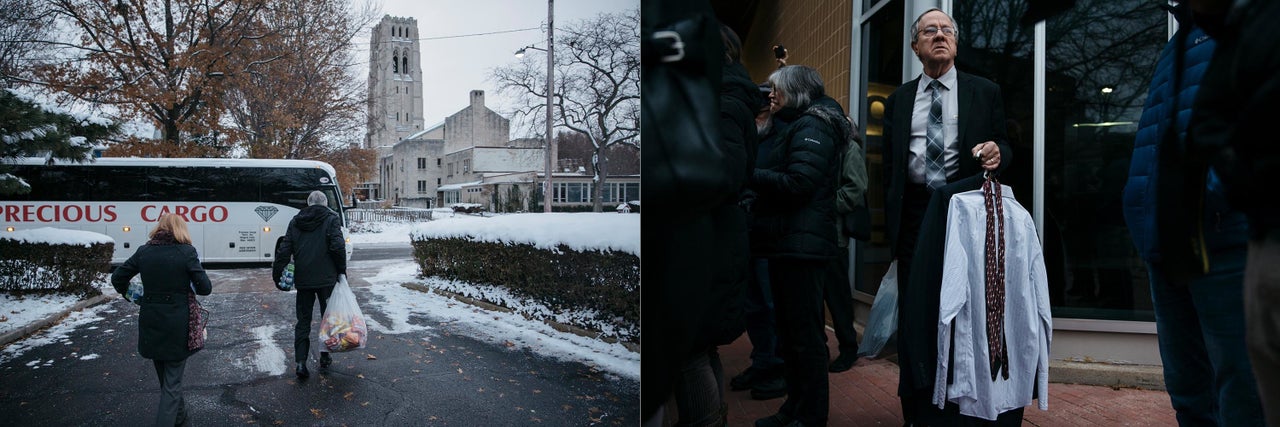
(27, 130)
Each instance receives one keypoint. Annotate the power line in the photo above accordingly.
(472, 35)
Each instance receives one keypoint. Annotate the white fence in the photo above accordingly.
(388, 215)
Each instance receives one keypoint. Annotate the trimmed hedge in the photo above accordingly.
(564, 279)
(27, 267)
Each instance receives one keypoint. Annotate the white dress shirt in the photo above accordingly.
(1028, 323)
(920, 123)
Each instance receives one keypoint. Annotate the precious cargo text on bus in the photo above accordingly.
(237, 209)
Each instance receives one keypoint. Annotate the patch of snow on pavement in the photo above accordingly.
(58, 333)
(496, 327)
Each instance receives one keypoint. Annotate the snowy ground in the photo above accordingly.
(400, 303)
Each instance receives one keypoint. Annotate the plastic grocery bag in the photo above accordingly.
(883, 321)
(286, 278)
(342, 328)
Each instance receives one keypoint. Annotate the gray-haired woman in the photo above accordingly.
(794, 227)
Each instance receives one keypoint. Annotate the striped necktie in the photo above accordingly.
(935, 138)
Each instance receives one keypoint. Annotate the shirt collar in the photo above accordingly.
(948, 79)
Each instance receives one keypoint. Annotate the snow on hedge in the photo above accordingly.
(579, 231)
(57, 236)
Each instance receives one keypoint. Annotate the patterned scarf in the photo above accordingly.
(162, 237)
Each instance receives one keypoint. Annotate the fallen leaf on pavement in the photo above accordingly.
(348, 395)
(318, 413)
(360, 376)
(370, 357)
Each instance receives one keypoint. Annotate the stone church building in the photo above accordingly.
(469, 157)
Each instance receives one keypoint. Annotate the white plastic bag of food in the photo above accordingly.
(342, 327)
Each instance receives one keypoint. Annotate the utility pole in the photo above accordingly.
(551, 61)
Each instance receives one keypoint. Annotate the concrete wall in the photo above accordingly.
(476, 126)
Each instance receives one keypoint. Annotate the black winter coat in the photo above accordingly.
(315, 244)
(169, 273)
(795, 185)
(739, 100)
(1238, 100)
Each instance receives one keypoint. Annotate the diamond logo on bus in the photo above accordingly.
(266, 212)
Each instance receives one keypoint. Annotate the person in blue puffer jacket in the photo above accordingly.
(1199, 316)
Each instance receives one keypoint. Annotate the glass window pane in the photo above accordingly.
(881, 61)
(1099, 63)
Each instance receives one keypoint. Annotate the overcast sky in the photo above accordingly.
(453, 67)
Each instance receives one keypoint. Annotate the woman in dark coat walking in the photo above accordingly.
(170, 270)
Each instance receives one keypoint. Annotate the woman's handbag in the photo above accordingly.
(197, 324)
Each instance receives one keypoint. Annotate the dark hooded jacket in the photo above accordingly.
(795, 184)
(170, 270)
(739, 100)
(315, 245)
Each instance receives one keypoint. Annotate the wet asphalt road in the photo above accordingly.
(93, 375)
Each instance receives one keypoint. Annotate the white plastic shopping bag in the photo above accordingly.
(883, 320)
(343, 327)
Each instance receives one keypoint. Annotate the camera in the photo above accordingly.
(779, 51)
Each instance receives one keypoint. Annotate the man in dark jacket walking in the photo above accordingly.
(315, 245)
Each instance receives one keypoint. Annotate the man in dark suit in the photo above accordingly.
(941, 127)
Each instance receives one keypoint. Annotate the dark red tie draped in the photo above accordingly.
(996, 348)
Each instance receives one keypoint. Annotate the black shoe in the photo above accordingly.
(772, 388)
(748, 378)
(843, 362)
(300, 369)
(775, 420)
(325, 361)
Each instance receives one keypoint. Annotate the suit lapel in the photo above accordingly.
(906, 106)
(964, 102)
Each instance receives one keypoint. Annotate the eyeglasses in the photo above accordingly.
(933, 31)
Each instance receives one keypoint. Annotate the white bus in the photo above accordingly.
(237, 209)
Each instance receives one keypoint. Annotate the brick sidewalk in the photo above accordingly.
(867, 396)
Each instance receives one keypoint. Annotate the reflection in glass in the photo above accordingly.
(1099, 62)
(881, 61)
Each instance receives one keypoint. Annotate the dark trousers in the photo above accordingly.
(1262, 320)
(797, 297)
(172, 410)
(306, 301)
(1201, 331)
(761, 327)
(916, 405)
(839, 297)
(699, 394)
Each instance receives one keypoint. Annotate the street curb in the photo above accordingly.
(22, 332)
(582, 332)
(1144, 377)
